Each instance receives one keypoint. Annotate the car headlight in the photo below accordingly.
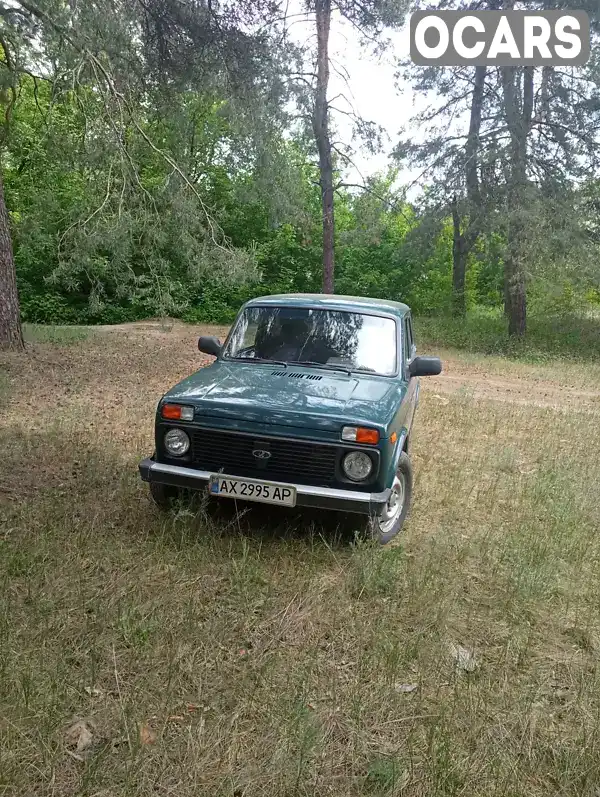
(357, 466)
(177, 442)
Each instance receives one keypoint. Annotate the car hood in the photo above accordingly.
(305, 397)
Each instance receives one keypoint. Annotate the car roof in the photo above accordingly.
(333, 302)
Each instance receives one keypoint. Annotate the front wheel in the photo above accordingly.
(385, 526)
(164, 496)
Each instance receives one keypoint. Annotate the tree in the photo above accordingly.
(144, 47)
(502, 145)
(552, 121)
(517, 88)
(369, 18)
(320, 124)
(454, 151)
(11, 336)
(465, 240)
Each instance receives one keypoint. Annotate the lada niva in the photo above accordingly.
(309, 402)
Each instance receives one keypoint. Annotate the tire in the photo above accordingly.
(383, 528)
(163, 495)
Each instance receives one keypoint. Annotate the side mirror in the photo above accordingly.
(425, 366)
(209, 345)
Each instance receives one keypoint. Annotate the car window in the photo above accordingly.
(407, 340)
(336, 338)
(411, 340)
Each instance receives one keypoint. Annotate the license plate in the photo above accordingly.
(250, 490)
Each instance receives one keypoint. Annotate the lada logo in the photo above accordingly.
(261, 454)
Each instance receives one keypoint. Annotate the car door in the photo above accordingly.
(410, 351)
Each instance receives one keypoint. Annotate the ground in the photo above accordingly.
(265, 653)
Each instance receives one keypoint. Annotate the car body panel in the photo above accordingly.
(353, 304)
(268, 394)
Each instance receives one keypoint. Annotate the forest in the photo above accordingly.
(162, 158)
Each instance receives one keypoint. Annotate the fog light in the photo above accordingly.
(177, 442)
(357, 466)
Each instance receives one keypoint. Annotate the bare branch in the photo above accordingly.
(394, 206)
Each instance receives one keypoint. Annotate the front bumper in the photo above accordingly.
(306, 495)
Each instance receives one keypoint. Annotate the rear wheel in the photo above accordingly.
(388, 524)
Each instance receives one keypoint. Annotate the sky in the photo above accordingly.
(369, 83)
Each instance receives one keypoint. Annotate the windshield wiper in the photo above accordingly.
(259, 360)
(328, 366)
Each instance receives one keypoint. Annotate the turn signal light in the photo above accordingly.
(175, 412)
(360, 434)
(367, 436)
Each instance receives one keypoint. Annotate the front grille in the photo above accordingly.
(291, 460)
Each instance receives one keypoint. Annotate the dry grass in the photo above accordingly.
(265, 654)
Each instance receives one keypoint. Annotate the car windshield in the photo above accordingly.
(329, 338)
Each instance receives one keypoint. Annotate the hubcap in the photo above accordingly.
(393, 508)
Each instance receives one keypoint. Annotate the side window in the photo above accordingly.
(408, 340)
(411, 336)
(407, 343)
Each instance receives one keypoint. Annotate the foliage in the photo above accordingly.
(104, 234)
(509, 150)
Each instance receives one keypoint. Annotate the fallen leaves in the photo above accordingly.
(93, 691)
(80, 738)
(463, 658)
(147, 735)
(406, 688)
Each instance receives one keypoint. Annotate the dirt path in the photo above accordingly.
(516, 386)
(150, 354)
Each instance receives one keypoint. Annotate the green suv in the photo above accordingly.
(310, 402)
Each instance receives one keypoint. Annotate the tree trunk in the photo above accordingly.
(547, 72)
(472, 145)
(11, 336)
(518, 118)
(463, 243)
(459, 264)
(517, 298)
(323, 142)
(506, 294)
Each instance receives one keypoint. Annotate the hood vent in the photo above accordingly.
(296, 375)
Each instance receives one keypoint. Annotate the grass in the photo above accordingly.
(59, 335)
(265, 653)
(570, 336)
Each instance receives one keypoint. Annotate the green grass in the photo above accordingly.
(266, 652)
(481, 332)
(57, 335)
(4, 386)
